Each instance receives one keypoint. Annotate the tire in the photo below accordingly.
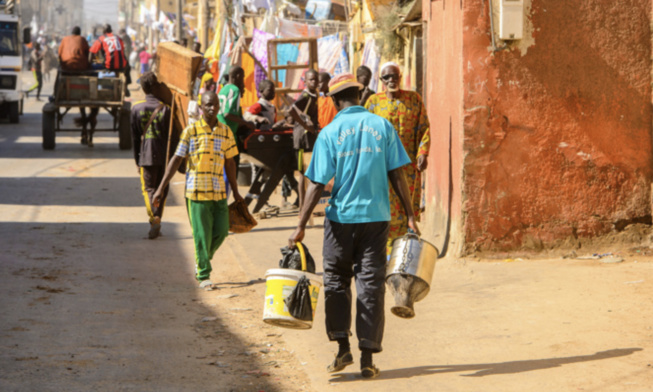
(124, 127)
(49, 119)
(14, 112)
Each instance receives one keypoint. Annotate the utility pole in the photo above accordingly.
(180, 7)
(203, 17)
(129, 17)
(151, 42)
(206, 22)
(150, 33)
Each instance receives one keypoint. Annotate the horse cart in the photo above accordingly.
(88, 90)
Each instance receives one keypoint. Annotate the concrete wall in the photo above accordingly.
(555, 128)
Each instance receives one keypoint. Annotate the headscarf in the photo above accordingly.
(205, 77)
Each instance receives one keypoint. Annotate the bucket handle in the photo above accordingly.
(300, 247)
(411, 233)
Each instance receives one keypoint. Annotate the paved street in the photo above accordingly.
(89, 304)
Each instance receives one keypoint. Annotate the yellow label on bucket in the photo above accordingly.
(275, 310)
(279, 289)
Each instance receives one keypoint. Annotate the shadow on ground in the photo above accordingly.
(76, 191)
(97, 306)
(29, 129)
(489, 369)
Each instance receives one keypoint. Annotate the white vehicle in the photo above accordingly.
(11, 94)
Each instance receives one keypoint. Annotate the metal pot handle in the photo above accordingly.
(411, 234)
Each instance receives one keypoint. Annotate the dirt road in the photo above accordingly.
(89, 304)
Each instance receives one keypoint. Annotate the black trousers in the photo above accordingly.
(128, 74)
(359, 251)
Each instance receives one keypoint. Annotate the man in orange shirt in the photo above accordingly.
(73, 52)
(326, 111)
(73, 57)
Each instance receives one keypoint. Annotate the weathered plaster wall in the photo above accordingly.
(557, 128)
(441, 222)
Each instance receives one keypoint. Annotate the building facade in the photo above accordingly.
(541, 140)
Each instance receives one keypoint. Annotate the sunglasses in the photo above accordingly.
(387, 77)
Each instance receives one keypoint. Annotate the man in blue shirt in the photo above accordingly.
(360, 151)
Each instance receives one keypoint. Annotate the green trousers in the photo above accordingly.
(210, 223)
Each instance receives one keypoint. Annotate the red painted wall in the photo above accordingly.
(556, 135)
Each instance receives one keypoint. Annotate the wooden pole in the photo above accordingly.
(180, 17)
(203, 23)
(172, 118)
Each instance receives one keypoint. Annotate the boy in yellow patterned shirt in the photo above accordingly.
(210, 148)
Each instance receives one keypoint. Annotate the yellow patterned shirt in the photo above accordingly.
(406, 112)
(408, 115)
(206, 149)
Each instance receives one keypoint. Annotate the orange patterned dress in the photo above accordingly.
(406, 112)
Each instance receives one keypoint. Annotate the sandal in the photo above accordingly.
(370, 372)
(341, 362)
(206, 285)
(155, 228)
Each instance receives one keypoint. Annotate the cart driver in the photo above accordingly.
(73, 52)
(73, 57)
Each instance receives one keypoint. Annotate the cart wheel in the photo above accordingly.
(124, 127)
(14, 112)
(49, 112)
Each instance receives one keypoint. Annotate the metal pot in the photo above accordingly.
(409, 272)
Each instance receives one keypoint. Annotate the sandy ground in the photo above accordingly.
(507, 324)
(88, 303)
